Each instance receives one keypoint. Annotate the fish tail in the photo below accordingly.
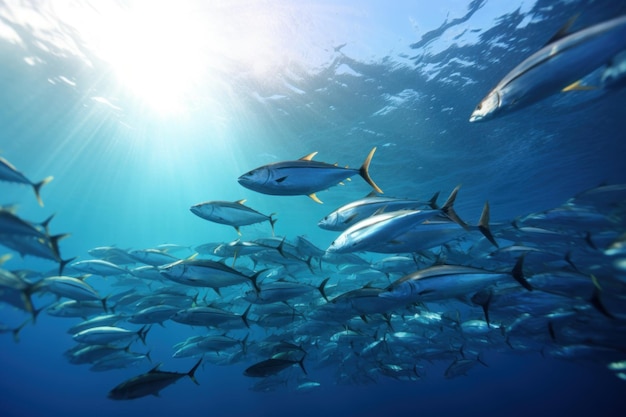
(273, 222)
(104, 303)
(143, 333)
(64, 262)
(46, 222)
(483, 225)
(364, 171)
(37, 188)
(518, 273)
(255, 280)
(596, 302)
(17, 330)
(301, 363)
(448, 208)
(322, 289)
(281, 246)
(192, 372)
(244, 316)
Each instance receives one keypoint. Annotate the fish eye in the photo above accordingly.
(480, 106)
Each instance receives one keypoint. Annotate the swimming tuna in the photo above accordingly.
(231, 213)
(150, 383)
(558, 66)
(9, 173)
(303, 176)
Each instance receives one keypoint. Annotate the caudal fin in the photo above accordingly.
(37, 188)
(192, 372)
(483, 225)
(448, 209)
(364, 171)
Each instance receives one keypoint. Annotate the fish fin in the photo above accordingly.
(301, 363)
(433, 201)
(37, 188)
(241, 201)
(281, 179)
(191, 257)
(192, 372)
(483, 225)
(237, 229)
(308, 157)
(590, 241)
(448, 208)
(254, 278)
(379, 210)
(5, 258)
(551, 331)
(143, 332)
(351, 218)
(364, 171)
(155, 368)
(518, 274)
(46, 222)
(313, 197)
(596, 302)
(272, 222)
(578, 86)
(596, 284)
(322, 288)
(563, 30)
(64, 262)
(17, 330)
(244, 316)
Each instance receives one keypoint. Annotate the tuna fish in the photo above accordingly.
(302, 177)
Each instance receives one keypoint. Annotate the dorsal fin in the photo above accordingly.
(240, 201)
(155, 369)
(563, 30)
(308, 157)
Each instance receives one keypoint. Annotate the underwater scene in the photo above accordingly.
(340, 208)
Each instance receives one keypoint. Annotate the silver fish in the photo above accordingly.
(302, 177)
(351, 213)
(69, 287)
(231, 213)
(442, 282)
(98, 267)
(9, 173)
(103, 335)
(382, 229)
(555, 67)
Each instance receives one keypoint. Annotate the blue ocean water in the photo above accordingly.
(134, 139)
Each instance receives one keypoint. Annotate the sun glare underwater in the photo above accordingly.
(312, 208)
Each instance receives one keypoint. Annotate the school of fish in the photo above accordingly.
(405, 283)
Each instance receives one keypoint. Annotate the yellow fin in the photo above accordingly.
(313, 197)
(577, 86)
(308, 157)
(5, 258)
(241, 201)
(595, 282)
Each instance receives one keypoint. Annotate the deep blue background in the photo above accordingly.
(127, 177)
